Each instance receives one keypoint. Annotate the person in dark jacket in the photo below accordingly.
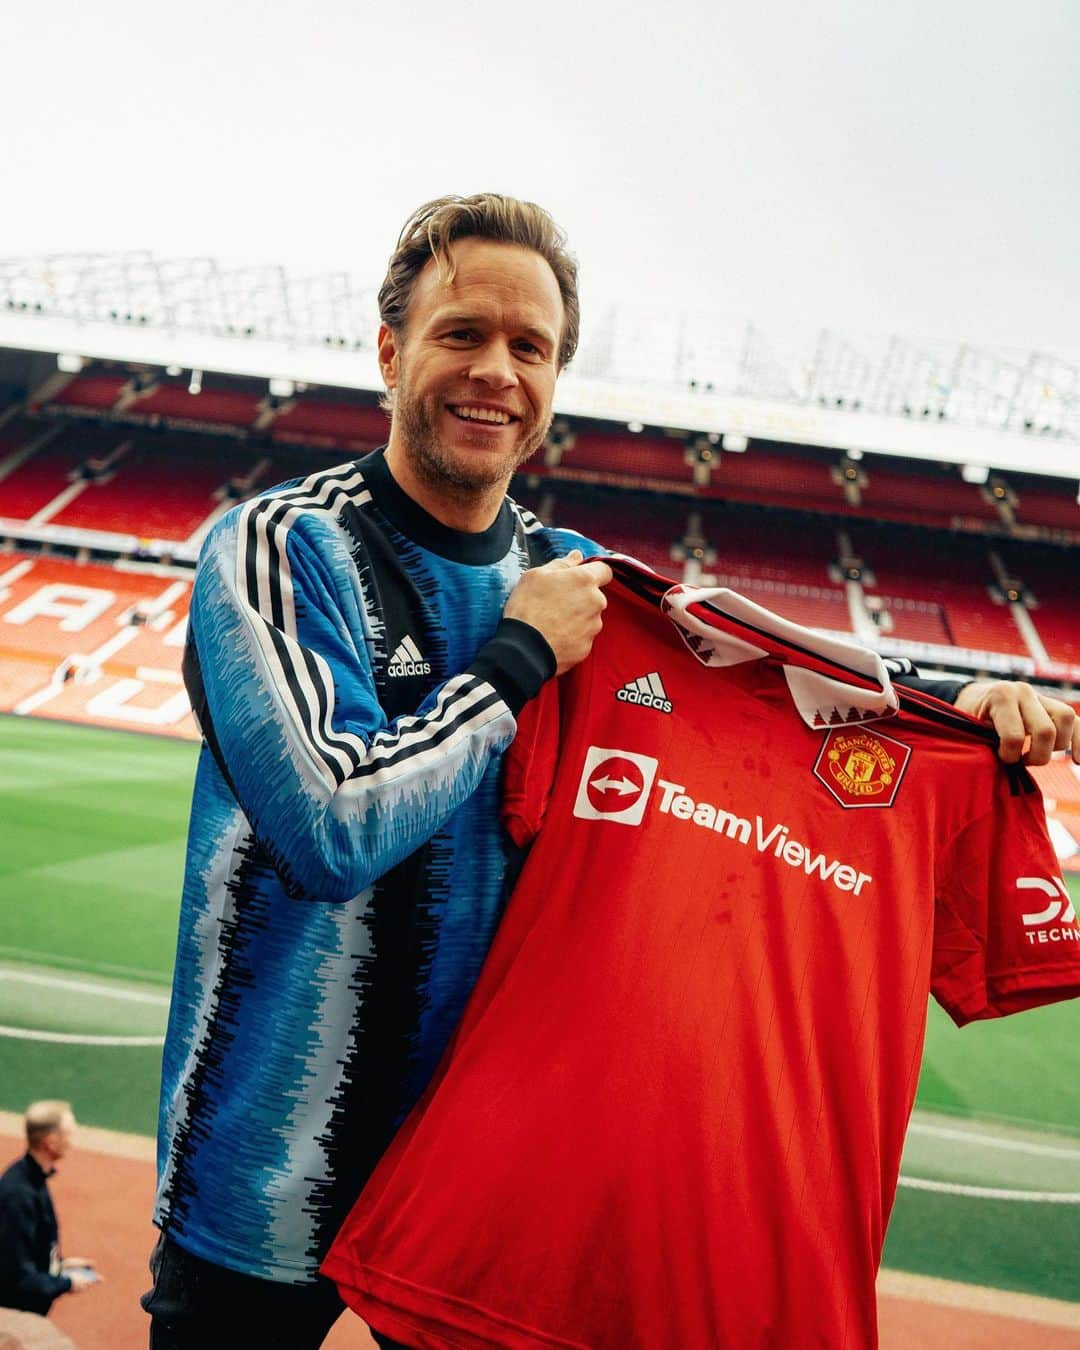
(32, 1273)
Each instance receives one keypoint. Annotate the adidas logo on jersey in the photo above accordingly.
(648, 692)
(407, 660)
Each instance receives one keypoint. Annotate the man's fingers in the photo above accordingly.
(595, 568)
(1005, 716)
(600, 572)
(1039, 726)
(1030, 726)
(1067, 725)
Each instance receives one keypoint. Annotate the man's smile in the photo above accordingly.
(472, 412)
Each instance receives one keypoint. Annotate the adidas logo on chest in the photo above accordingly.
(648, 692)
(407, 660)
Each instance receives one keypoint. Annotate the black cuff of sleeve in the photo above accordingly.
(946, 690)
(517, 661)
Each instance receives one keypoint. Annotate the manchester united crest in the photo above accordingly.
(861, 768)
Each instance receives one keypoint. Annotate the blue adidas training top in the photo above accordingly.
(356, 686)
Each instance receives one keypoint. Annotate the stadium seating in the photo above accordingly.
(91, 643)
(147, 497)
(15, 432)
(222, 407)
(1047, 503)
(628, 455)
(924, 494)
(94, 389)
(644, 526)
(1052, 577)
(768, 521)
(50, 470)
(777, 476)
(352, 427)
(950, 571)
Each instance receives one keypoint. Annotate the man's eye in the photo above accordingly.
(461, 335)
(529, 348)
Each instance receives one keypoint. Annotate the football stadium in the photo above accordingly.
(657, 953)
(921, 503)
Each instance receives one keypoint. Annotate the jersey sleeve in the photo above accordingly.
(279, 672)
(1006, 935)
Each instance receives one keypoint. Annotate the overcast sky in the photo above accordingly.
(903, 167)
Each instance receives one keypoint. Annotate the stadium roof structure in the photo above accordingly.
(952, 403)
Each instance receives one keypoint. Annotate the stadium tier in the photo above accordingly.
(1047, 502)
(1047, 577)
(904, 553)
(953, 572)
(313, 419)
(93, 643)
(352, 427)
(596, 455)
(97, 391)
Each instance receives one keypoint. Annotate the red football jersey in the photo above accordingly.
(674, 1110)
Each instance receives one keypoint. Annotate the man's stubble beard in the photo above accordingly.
(450, 471)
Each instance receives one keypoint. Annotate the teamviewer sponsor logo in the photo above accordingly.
(647, 692)
(407, 660)
(1055, 923)
(615, 786)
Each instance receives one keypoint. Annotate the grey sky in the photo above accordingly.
(888, 167)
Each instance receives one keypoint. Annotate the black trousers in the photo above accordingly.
(196, 1305)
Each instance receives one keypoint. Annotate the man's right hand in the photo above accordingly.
(82, 1277)
(563, 600)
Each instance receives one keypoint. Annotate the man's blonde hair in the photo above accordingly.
(42, 1118)
(433, 227)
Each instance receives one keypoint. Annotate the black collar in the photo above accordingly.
(415, 523)
(38, 1175)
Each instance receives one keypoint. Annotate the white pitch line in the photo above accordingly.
(993, 1141)
(84, 987)
(71, 1038)
(991, 1192)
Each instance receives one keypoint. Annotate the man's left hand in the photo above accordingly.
(1030, 726)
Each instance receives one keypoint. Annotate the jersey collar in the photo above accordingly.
(831, 682)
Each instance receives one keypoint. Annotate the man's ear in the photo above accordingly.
(389, 356)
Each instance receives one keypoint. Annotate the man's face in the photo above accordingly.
(474, 372)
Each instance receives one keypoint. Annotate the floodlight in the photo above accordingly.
(282, 388)
(734, 442)
(195, 383)
(174, 371)
(855, 455)
(974, 473)
(69, 363)
(635, 426)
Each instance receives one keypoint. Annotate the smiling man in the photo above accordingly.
(360, 644)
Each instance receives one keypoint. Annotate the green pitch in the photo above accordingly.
(92, 828)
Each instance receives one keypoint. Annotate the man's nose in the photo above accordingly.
(493, 365)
